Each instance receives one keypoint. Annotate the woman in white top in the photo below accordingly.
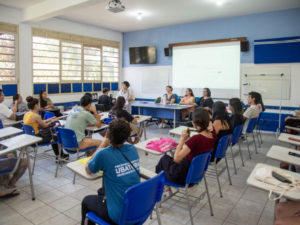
(127, 94)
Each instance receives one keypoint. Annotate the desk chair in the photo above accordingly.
(1, 124)
(30, 131)
(195, 175)
(250, 130)
(257, 129)
(139, 202)
(48, 115)
(220, 154)
(68, 141)
(235, 139)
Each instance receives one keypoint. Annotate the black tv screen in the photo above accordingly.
(142, 55)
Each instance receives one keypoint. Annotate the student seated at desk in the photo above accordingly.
(106, 100)
(189, 99)
(176, 168)
(287, 213)
(206, 101)
(5, 112)
(120, 113)
(116, 160)
(168, 98)
(8, 162)
(221, 123)
(45, 102)
(41, 127)
(18, 104)
(235, 106)
(79, 118)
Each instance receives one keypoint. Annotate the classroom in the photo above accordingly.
(149, 112)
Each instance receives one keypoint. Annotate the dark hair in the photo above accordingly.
(208, 92)
(89, 95)
(169, 86)
(1, 91)
(201, 118)
(120, 103)
(31, 102)
(118, 132)
(258, 99)
(236, 105)
(85, 100)
(42, 101)
(16, 97)
(220, 113)
(105, 90)
(126, 83)
(190, 90)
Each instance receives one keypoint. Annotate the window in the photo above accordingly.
(110, 64)
(71, 62)
(45, 58)
(66, 58)
(92, 64)
(7, 57)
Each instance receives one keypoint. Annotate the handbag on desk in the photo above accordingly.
(265, 175)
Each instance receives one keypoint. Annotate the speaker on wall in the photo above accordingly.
(245, 46)
(168, 51)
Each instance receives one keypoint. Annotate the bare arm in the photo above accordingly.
(217, 125)
(182, 150)
(97, 117)
(15, 108)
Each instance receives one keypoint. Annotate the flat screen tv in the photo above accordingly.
(142, 55)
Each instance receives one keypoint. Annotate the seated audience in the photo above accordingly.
(287, 213)
(5, 112)
(106, 100)
(120, 113)
(221, 123)
(8, 162)
(45, 102)
(235, 106)
(168, 98)
(18, 104)
(260, 104)
(41, 127)
(116, 160)
(255, 101)
(79, 118)
(189, 99)
(176, 168)
(206, 101)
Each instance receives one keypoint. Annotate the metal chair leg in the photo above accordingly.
(241, 154)
(254, 143)
(257, 136)
(75, 173)
(260, 136)
(228, 170)
(248, 146)
(34, 160)
(232, 156)
(58, 160)
(86, 221)
(208, 197)
(157, 215)
(189, 204)
(217, 176)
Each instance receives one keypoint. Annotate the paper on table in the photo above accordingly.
(84, 161)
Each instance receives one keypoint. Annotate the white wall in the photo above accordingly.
(136, 75)
(12, 15)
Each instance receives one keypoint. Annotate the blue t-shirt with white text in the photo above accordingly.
(118, 175)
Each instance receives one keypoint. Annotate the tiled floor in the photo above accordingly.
(58, 201)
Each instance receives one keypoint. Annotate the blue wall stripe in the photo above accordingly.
(106, 85)
(53, 88)
(37, 88)
(77, 87)
(10, 89)
(65, 88)
(87, 87)
(277, 39)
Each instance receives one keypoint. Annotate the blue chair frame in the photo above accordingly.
(68, 141)
(257, 129)
(137, 206)
(250, 130)
(1, 124)
(30, 131)
(221, 153)
(196, 173)
(48, 115)
(235, 139)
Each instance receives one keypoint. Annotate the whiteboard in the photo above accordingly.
(267, 81)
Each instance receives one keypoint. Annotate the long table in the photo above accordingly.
(21, 143)
(157, 110)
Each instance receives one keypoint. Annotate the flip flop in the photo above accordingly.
(11, 193)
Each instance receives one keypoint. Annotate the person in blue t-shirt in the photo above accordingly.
(118, 174)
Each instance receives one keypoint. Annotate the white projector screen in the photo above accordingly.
(216, 66)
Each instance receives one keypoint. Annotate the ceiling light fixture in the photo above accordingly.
(139, 16)
(219, 2)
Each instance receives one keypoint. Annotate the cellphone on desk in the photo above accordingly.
(294, 154)
(280, 177)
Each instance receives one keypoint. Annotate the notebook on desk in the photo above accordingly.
(84, 161)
